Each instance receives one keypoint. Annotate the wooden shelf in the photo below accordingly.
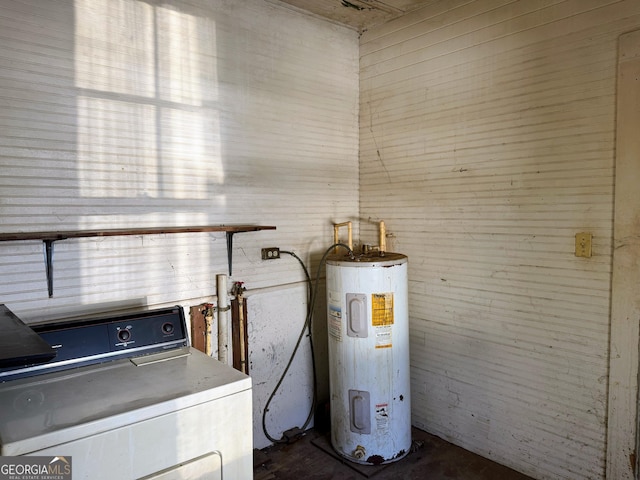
(63, 235)
(49, 237)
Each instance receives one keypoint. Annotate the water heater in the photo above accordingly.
(367, 305)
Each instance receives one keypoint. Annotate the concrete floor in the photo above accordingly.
(312, 458)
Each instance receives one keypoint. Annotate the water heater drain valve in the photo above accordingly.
(359, 452)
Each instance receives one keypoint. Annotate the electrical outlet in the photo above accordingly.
(583, 244)
(270, 253)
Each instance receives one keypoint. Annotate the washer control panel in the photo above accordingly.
(145, 331)
(88, 341)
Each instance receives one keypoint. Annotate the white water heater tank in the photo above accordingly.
(367, 305)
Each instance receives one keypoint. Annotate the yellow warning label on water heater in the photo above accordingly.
(381, 309)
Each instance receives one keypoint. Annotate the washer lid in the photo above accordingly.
(55, 408)
(19, 344)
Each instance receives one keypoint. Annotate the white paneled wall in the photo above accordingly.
(132, 113)
(487, 142)
(139, 113)
(486, 139)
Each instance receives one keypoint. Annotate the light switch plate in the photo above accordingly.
(583, 244)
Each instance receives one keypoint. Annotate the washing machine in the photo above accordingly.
(126, 397)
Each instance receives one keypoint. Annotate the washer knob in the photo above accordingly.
(167, 328)
(124, 335)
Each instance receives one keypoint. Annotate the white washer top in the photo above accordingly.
(55, 408)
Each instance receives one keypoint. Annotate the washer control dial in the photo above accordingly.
(167, 328)
(124, 334)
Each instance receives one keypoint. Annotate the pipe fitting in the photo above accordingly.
(359, 452)
(336, 228)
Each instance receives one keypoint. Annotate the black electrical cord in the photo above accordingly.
(307, 323)
(312, 293)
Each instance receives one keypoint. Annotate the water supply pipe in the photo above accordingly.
(208, 333)
(336, 227)
(243, 360)
(223, 318)
(238, 290)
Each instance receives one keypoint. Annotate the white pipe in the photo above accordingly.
(223, 318)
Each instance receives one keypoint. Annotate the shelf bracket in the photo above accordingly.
(48, 258)
(230, 250)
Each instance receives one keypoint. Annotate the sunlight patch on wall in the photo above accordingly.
(186, 79)
(148, 117)
(114, 47)
(187, 151)
(117, 148)
(148, 143)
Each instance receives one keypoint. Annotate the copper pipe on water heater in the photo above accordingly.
(336, 227)
(383, 238)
